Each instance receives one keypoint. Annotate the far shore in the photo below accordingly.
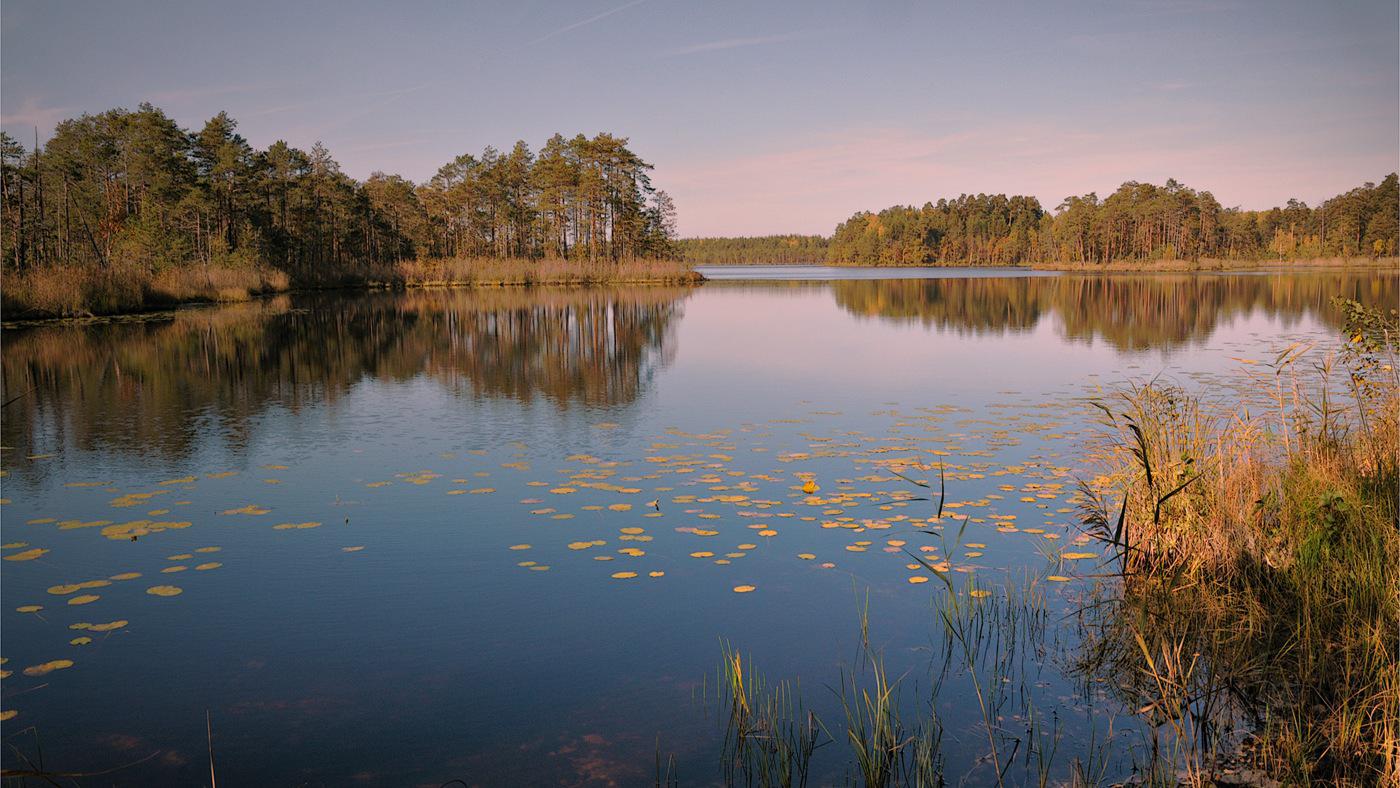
(1139, 266)
(78, 292)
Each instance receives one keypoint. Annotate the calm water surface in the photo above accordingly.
(461, 463)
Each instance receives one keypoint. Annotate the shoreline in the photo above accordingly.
(154, 310)
(1119, 266)
(76, 294)
(592, 278)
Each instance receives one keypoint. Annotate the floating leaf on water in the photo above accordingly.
(29, 608)
(73, 588)
(296, 526)
(623, 575)
(743, 589)
(1078, 556)
(806, 556)
(1057, 578)
(126, 576)
(8, 714)
(27, 555)
(918, 579)
(48, 667)
(632, 531)
(84, 599)
(165, 590)
(702, 554)
(179, 557)
(80, 641)
(108, 627)
(520, 547)
(656, 574)
(979, 593)
(208, 566)
(355, 549)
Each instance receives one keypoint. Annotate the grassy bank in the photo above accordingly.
(1215, 264)
(69, 291)
(74, 291)
(1125, 266)
(1261, 567)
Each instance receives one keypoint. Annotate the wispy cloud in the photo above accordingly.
(585, 22)
(31, 114)
(735, 43)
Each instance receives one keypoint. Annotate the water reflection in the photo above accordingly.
(1129, 312)
(154, 385)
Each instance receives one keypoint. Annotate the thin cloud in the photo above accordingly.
(584, 23)
(32, 115)
(735, 43)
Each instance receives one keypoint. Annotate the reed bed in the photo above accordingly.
(1260, 563)
(79, 290)
(85, 290)
(479, 272)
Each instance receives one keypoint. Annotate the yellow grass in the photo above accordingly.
(71, 291)
(478, 272)
(1215, 264)
(76, 291)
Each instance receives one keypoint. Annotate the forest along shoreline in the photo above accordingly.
(125, 211)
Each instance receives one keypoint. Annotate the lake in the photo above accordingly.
(398, 538)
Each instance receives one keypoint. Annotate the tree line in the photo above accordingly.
(1139, 221)
(772, 249)
(133, 186)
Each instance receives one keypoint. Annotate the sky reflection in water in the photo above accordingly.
(428, 433)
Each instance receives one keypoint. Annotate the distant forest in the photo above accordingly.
(779, 249)
(132, 187)
(1139, 221)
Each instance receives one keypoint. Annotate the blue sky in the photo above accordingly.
(761, 117)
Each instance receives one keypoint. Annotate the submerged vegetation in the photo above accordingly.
(125, 210)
